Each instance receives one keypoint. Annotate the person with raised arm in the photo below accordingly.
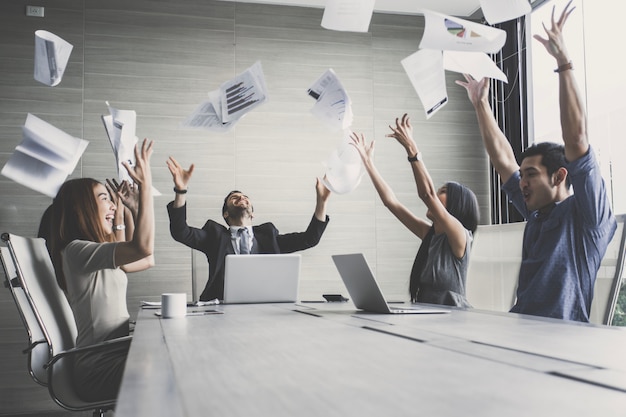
(566, 235)
(239, 236)
(439, 271)
(91, 263)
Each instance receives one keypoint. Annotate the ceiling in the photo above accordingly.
(460, 8)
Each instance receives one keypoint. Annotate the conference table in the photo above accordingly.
(328, 359)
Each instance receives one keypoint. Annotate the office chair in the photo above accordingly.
(37, 348)
(609, 278)
(494, 266)
(55, 321)
(494, 269)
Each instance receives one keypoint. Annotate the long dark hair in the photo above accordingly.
(74, 216)
(461, 202)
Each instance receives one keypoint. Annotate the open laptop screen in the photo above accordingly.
(261, 278)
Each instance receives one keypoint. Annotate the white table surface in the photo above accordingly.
(328, 360)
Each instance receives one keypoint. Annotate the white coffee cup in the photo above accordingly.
(173, 305)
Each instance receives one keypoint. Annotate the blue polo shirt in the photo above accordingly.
(563, 248)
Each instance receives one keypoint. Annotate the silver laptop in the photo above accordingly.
(261, 278)
(364, 290)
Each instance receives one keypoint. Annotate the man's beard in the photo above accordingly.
(239, 212)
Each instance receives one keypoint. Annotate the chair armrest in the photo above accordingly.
(33, 345)
(111, 344)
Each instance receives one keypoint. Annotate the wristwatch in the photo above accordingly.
(414, 158)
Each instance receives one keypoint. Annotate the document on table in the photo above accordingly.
(348, 15)
(51, 56)
(332, 102)
(120, 126)
(447, 33)
(45, 157)
(157, 304)
(193, 313)
(425, 71)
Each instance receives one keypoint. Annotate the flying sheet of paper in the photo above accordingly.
(332, 103)
(208, 115)
(425, 70)
(348, 15)
(243, 93)
(477, 64)
(120, 126)
(448, 33)
(497, 11)
(44, 158)
(344, 168)
(51, 56)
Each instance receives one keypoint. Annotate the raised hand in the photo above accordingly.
(126, 193)
(141, 173)
(476, 90)
(554, 44)
(321, 191)
(365, 151)
(403, 133)
(180, 175)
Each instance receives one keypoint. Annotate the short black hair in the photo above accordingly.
(224, 206)
(552, 156)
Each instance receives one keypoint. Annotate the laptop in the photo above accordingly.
(261, 278)
(364, 290)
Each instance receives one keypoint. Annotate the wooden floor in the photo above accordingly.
(19, 394)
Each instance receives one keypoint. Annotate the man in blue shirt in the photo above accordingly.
(566, 234)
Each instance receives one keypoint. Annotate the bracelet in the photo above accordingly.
(177, 191)
(119, 227)
(415, 158)
(565, 67)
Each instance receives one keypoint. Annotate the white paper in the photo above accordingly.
(120, 126)
(333, 105)
(425, 70)
(497, 11)
(348, 15)
(344, 168)
(208, 115)
(448, 33)
(477, 64)
(243, 93)
(45, 157)
(51, 56)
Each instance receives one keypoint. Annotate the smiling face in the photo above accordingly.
(538, 188)
(237, 207)
(106, 207)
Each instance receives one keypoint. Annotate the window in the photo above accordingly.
(592, 35)
(592, 42)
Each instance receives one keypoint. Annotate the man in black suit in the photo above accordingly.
(216, 241)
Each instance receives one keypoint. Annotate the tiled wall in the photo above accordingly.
(161, 58)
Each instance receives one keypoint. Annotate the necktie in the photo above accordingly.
(244, 241)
